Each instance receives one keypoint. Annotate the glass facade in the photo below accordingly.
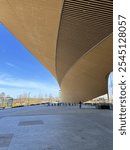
(110, 88)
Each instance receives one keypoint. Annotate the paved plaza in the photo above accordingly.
(56, 128)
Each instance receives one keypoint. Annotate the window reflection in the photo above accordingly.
(110, 88)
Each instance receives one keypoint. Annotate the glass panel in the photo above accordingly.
(110, 88)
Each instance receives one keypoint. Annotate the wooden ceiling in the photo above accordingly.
(72, 38)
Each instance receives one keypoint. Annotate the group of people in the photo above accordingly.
(65, 104)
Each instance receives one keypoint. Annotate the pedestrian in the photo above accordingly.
(80, 104)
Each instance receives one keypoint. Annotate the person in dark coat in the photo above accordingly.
(80, 104)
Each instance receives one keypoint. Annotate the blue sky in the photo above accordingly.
(20, 71)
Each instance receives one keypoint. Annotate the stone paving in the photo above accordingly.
(56, 128)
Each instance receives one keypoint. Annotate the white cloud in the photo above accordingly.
(15, 86)
(10, 64)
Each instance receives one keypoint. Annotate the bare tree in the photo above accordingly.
(2, 95)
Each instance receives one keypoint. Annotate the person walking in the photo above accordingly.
(80, 104)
